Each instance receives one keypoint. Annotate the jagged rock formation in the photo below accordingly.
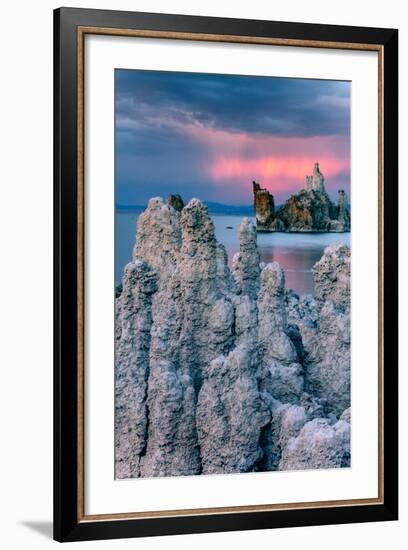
(133, 323)
(221, 370)
(319, 444)
(324, 327)
(310, 210)
(264, 205)
(229, 397)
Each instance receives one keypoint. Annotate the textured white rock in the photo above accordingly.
(220, 371)
(230, 415)
(281, 374)
(329, 374)
(158, 236)
(246, 261)
(324, 326)
(132, 367)
(192, 324)
(346, 415)
(286, 422)
(272, 319)
(332, 276)
(318, 445)
(246, 271)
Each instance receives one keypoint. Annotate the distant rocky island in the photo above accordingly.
(310, 210)
(223, 370)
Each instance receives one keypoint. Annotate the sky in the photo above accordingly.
(209, 135)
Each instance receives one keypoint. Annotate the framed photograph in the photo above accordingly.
(225, 274)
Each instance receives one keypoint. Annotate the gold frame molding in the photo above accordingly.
(82, 31)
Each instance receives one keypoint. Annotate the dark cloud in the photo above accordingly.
(282, 106)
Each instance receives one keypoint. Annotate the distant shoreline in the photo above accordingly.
(213, 208)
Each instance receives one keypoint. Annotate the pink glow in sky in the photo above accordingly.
(278, 163)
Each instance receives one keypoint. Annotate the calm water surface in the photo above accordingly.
(295, 252)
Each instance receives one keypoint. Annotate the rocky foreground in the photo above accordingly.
(310, 210)
(219, 370)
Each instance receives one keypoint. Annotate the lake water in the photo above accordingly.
(295, 252)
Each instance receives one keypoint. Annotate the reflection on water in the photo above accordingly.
(295, 252)
(297, 263)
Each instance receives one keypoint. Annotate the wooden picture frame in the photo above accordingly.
(71, 26)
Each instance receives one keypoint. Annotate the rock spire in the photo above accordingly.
(310, 210)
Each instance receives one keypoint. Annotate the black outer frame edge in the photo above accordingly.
(227, 522)
(65, 281)
(56, 261)
(66, 525)
(226, 26)
(390, 260)
(57, 509)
